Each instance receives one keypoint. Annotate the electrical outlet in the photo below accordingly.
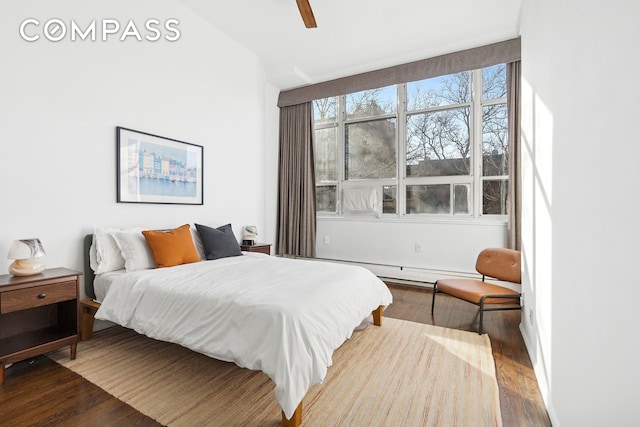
(327, 240)
(418, 247)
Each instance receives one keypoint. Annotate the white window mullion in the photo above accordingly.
(402, 150)
(476, 141)
(342, 114)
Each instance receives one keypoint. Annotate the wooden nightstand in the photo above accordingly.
(38, 314)
(264, 248)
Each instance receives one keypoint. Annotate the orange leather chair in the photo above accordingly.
(498, 263)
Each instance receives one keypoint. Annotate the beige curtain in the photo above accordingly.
(296, 182)
(515, 176)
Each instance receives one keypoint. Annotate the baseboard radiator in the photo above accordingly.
(416, 276)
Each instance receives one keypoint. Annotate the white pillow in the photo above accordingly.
(105, 255)
(135, 250)
(197, 241)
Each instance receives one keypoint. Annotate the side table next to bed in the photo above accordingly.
(264, 248)
(38, 314)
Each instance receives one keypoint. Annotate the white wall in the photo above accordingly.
(60, 103)
(446, 247)
(271, 155)
(580, 185)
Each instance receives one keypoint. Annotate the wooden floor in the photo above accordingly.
(39, 392)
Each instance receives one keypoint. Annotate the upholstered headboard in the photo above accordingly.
(88, 272)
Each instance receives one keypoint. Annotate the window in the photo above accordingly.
(495, 148)
(326, 153)
(435, 147)
(439, 126)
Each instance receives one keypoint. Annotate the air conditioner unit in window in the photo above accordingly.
(360, 201)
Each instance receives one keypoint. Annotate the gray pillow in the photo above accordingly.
(218, 242)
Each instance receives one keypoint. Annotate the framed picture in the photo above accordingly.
(155, 169)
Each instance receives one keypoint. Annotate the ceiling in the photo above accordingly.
(355, 36)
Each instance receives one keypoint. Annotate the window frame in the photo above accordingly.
(475, 179)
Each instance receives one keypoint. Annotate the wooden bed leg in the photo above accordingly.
(89, 308)
(377, 316)
(296, 418)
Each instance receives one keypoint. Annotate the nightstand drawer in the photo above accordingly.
(264, 248)
(22, 299)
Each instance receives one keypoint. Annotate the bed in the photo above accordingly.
(279, 315)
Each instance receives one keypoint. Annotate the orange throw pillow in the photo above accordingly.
(172, 247)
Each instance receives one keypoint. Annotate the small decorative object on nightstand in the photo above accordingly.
(38, 314)
(249, 235)
(28, 257)
(264, 248)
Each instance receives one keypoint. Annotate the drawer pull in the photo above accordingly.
(42, 296)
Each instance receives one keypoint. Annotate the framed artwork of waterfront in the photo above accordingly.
(155, 169)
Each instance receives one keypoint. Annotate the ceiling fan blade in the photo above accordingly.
(306, 13)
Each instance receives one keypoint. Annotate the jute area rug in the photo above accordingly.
(400, 374)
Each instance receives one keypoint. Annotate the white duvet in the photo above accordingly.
(282, 316)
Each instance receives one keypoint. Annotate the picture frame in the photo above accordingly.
(156, 169)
